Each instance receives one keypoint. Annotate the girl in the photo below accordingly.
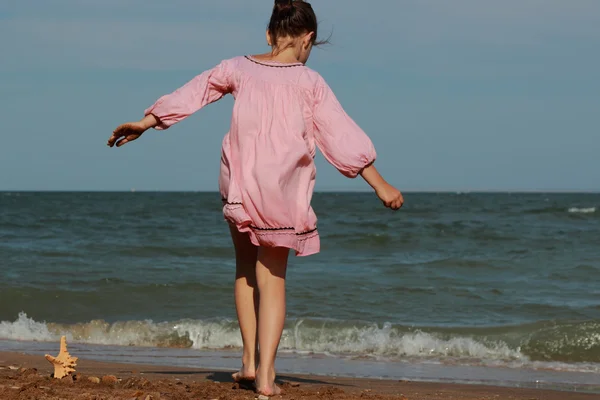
(283, 110)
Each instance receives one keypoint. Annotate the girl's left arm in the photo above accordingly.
(343, 143)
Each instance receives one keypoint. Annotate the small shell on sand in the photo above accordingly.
(109, 380)
(28, 371)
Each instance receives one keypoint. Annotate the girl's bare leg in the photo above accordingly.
(271, 269)
(246, 301)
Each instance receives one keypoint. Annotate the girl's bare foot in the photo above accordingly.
(269, 391)
(244, 375)
(267, 387)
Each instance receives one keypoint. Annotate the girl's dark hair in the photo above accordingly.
(293, 18)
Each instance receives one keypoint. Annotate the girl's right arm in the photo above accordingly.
(204, 89)
(172, 108)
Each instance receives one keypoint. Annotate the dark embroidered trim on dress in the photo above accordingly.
(271, 229)
(256, 228)
(274, 66)
(307, 232)
(233, 203)
(283, 229)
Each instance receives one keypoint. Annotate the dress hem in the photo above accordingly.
(304, 243)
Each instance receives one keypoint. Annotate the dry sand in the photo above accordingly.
(28, 377)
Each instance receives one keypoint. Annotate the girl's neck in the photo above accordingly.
(286, 56)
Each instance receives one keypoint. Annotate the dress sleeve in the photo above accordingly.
(343, 143)
(202, 90)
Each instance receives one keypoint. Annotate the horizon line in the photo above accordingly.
(455, 191)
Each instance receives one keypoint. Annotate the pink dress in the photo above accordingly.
(282, 112)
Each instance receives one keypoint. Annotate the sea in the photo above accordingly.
(494, 288)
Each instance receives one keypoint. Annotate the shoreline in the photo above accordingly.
(322, 365)
(19, 380)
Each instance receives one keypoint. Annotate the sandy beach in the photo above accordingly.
(25, 376)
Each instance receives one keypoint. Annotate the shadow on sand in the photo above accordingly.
(224, 377)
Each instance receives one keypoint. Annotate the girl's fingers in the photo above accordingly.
(112, 139)
(122, 142)
(397, 204)
(120, 132)
(127, 139)
(115, 135)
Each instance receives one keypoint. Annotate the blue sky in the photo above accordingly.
(456, 95)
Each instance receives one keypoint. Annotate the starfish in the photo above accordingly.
(64, 364)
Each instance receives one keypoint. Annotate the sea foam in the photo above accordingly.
(506, 345)
(577, 210)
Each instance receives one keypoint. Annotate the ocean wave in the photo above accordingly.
(588, 210)
(557, 210)
(546, 343)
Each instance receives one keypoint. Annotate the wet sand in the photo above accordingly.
(28, 377)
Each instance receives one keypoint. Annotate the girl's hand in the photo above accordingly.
(390, 196)
(132, 130)
(126, 133)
